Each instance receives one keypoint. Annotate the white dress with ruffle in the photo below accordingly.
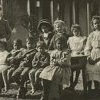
(92, 49)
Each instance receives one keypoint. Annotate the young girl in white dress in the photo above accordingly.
(76, 44)
(92, 49)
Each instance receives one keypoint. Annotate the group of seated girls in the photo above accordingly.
(49, 62)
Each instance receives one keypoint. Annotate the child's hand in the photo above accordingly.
(77, 53)
(91, 61)
(10, 58)
(12, 61)
(27, 57)
(36, 64)
(56, 63)
(82, 52)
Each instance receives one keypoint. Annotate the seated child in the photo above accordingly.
(3, 64)
(58, 73)
(13, 60)
(40, 61)
(20, 75)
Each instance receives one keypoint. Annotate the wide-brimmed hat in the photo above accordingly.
(44, 22)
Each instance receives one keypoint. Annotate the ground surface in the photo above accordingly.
(67, 94)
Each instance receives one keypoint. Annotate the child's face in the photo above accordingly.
(40, 49)
(29, 45)
(96, 24)
(76, 32)
(45, 28)
(59, 45)
(16, 46)
(59, 28)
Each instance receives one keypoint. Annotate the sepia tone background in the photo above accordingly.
(29, 12)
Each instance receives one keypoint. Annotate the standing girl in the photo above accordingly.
(58, 73)
(93, 51)
(76, 44)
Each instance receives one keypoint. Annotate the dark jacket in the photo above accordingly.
(13, 59)
(27, 58)
(41, 60)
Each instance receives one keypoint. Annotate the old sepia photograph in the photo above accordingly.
(49, 49)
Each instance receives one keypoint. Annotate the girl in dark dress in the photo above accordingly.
(45, 29)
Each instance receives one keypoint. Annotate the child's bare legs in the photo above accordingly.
(32, 79)
(96, 83)
(74, 82)
(4, 75)
(23, 77)
(89, 85)
(37, 79)
(16, 75)
(9, 74)
(76, 78)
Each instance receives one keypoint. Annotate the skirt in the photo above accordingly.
(93, 72)
(56, 74)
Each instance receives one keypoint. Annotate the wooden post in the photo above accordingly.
(51, 10)
(68, 14)
(28, 7)
(88, 17)
(58, 9)
(39, 9)
(73, 12)
(2, 2)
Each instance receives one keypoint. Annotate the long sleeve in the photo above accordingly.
(88, 46)
(35, 61)
(65, 60)
(15, 58)
(30, 56)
